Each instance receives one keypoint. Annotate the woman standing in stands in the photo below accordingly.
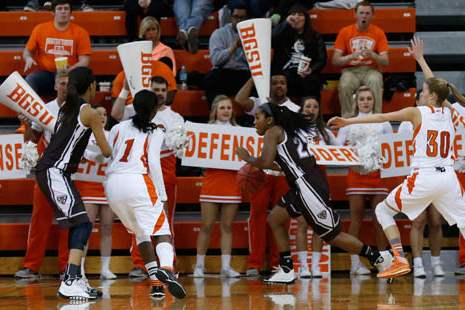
(279, 217)
(150, 30)
(363, 186)
(95, 201)
(220, 190)
(300, 53)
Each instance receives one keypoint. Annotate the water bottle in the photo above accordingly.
(183, 77)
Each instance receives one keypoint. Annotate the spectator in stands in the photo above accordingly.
(57, 38)
(150, 30)
(141, 8)
(190, 15)
(34, 5)
(293, 40)
(267, 197)
(360, 49)
(42, 213)
(362, 186)
(220, 195)
(230, 70)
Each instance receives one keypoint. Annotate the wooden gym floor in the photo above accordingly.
(338, 292)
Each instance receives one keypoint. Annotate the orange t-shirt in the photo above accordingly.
(158, 69)
(46, 43)
(350, 40)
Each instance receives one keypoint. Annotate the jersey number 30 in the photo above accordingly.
(443, 145)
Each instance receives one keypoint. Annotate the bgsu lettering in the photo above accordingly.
(252, 52)
(30, 106)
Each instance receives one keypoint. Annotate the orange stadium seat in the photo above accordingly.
(111, 23)
(391, 20)
(106, 61)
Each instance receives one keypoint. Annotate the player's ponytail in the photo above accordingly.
(288, 120)
(457, 94)
(145, 104)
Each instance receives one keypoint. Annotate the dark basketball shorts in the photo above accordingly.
(310, 198)
(59, 189)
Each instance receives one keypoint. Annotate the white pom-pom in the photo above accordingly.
(176, 139)
(459, 164)
(365, 142)
(29, 156)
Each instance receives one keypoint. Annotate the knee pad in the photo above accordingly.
(385, 215)
(143, 238)
(79, 235)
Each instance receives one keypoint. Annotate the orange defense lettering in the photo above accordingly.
(386, 153)
(250, 142)
(18, 153)
(260, 146)
(397, 146)
(236, 144)
(225, 146)
(348, 155)
(315, 153)
(324, 153)
(202, 145)
(9, 157)
(190, 151)
(337, 155)
(409, 150)
(213, 143)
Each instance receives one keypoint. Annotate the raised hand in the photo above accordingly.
(416, 48)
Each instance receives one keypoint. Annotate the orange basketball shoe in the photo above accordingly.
(398, 267)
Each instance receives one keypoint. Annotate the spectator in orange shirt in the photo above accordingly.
(122, 105)
(150, 30)
(360, 48)
(57, 38)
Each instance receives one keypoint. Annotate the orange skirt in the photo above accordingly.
(91, 192)
(220, 186)
(365, 184)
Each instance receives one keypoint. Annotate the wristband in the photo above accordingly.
(123, 94)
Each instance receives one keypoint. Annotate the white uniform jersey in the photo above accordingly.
(434, 139)
(53, 108)
(288, 104)
(93, 151)
(136, 152)
(169, 120)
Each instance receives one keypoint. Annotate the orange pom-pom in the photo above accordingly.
(250, 178)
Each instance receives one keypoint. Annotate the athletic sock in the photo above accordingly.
(435, 260)
(165, 254)
(72, 271)
(303, 255)
(396, 246)
(105, 263)
(316, 256)
(285, 261)
(418, 261)
(225, 261)
(152, 271)
(369, 253)
(200, 263)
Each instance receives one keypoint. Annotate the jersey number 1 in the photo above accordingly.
(127, 151)
(433, 146)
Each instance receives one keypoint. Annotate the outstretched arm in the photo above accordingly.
(409, 114)
(416, 49)
(266, 159)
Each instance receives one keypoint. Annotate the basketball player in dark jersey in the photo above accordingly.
(75, 123)
(286, 135)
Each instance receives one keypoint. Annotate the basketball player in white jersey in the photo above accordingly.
(131, 175)
(432, 179)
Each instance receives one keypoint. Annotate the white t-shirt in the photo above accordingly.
(288, 104)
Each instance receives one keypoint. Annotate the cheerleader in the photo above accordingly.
(95, 202)
(363, 186)
(279, 217)
(220, 194)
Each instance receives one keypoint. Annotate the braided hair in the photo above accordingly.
(145, 103)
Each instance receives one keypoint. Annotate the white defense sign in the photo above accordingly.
(16, 94)
(255, 36)
(10, 155)
(214, 146)
(136, 58)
